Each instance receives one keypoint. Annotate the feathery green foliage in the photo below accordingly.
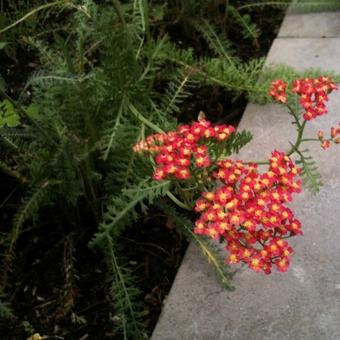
(122, 209)
(287, 74)
(209, 250)
(217, 42)
(249, 29)
(310, 174)
(5, 309)
(29, 208)
(124, 294)
(108, 78)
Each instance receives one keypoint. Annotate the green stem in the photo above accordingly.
(310, 140)
(300, 128)
(210, 255)
(144, 120)
(118, 8)
(260, 4)
(298, 141)
(91, 192)
(220, 151)
(259, 162)
(26, 115)
(177, 201)
(115, 129)
(109, 250)
(34, 11)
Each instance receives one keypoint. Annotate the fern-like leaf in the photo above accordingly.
(218, 43)
(5, 309)
(209, 250)
(44, 79)
(287, 74)
(111, 134)
(178, 90)
(310, 174)
(124, 294)
(249, 29)
(29, 208)
(121, 211)
(140, 19)
(238, 140)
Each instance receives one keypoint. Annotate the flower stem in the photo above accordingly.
(300, 128)
(177, 201)
(118, 8)
(144, 120)
(310, 140)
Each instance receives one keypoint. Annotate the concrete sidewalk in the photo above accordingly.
(303, 303)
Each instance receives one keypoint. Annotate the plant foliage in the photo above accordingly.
(109, 76)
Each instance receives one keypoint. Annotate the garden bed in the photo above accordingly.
(58, 286)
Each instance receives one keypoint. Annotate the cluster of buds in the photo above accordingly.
(248, 212)
(151, 144)
(334, 137)
(178, 152)
(312, 92)
(278, 91)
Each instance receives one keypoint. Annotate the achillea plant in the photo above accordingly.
(100, 84)
(237, 204)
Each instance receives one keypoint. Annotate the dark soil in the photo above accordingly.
(64, 293)
(218, 104)
(156, 251)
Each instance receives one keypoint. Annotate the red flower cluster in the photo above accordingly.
(278, 91)
(313, 94)
(325, 143)
(248, 211)
(177, 152)
(151, 144)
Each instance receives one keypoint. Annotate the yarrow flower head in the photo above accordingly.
(278, 91)
(248, 212)
(237, 203)
(312, 92)
(178, 152)
(334, 137)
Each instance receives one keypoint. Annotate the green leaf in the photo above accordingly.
(12, 121)
(2, 44)
(5, 309)
(7, 108)
(157, 12)
(33, 110)
(122, 210)
(310, 174)
(8, 115)
(209, 249)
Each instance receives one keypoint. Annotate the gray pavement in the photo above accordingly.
(303, 303)
(311, 25)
